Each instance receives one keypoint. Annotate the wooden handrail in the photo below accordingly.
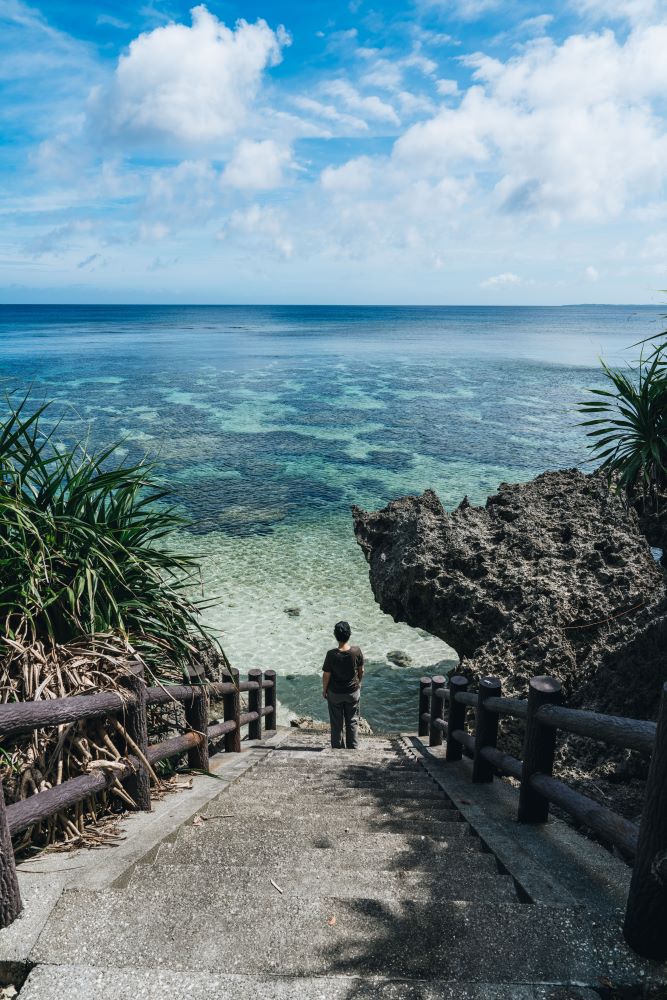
(646, 913)
(17, 718)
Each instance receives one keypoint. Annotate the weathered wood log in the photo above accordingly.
(437, 711)
(646, 913)
(486, 729)
(503, 762)
(515, 707)
(466, 698)
(270, 701)
(614, 828)
(196, 716)
(36, 808)
(26, 716)
(631, 734)
(539, 747)
(169, 693)
(221, 729)
(248, 717)
(10, 896)
(457, 716)
(424, 698)
(466, 740)
(138, 784)
(231, 707)
(172, 747)
(255, 704)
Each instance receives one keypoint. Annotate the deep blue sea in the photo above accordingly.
(270, 421)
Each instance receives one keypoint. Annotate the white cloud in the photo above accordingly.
(179, 197)
(113, 22)
(262, 226)
(189, 84)
(330, 113)
(352, 178)
(257, 166)
(592, 273)
(635, 11)
(571, 131)
(364, 106)
(501, 280)
(466, 10)
(447, 88)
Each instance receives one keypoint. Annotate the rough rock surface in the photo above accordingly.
(550, 577)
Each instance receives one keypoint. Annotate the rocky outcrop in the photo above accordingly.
(549, 577)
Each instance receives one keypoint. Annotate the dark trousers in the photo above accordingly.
(344, 710)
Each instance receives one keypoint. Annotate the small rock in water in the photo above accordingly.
(400, 658)
(292, 612)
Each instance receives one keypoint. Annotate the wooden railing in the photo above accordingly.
(442, 717)
(132, 769)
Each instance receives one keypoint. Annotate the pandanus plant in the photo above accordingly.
(83, 548)
(627, 423)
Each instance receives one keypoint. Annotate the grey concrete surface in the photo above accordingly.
(82, 983)
(208, 884)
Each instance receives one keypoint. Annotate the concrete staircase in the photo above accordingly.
(325, 874)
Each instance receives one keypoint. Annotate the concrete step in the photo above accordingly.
(394, 801)
(430, 939)
(225, 834)
(320, 805)
(368, 818)
(277, 792)
(47, 982)
(162, 885)
(321, 763)
(380, 851)
(309, 829)
(322, 776)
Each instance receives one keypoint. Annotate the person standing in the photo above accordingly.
(341, 686)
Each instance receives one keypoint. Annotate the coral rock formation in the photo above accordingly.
(552, 576)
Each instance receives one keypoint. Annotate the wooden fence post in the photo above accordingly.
(10, 897)
(424, 692)
(270, 700)
(457, 716)
(255, 705)
(196, 716)
(138, 784)
(437, 711)
(539, 747)
(486, 729)
(646, 912)
(231, 708)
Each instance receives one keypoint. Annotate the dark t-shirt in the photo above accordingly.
(343, 669)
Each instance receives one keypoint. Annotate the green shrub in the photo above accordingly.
(83, 549)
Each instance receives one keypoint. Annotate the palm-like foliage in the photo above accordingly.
(82, 548)
(628, 425)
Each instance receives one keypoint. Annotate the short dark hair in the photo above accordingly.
(342, 631)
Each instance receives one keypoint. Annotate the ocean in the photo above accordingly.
(269, 422)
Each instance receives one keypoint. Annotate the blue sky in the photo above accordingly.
(432, 151)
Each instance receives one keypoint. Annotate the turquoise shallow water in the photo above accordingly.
(270, 422)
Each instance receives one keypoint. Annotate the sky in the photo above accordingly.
(275, 151)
